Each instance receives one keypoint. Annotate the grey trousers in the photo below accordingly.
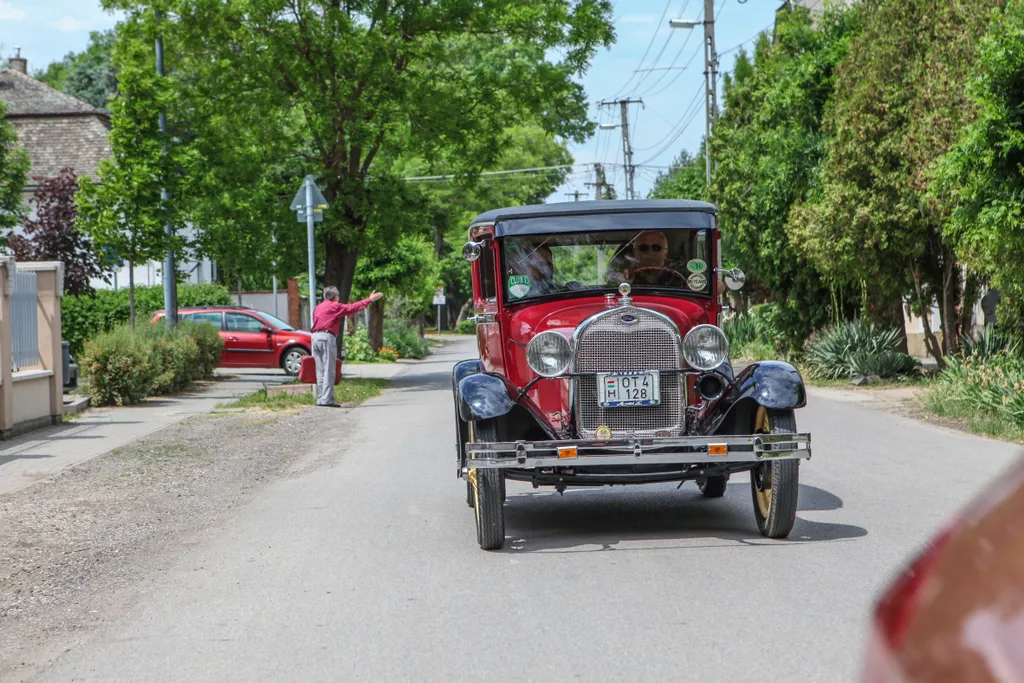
(325, 353)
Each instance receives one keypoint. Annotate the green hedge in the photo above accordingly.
(83, 317)
(124, 366)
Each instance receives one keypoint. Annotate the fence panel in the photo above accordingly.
(24, 317)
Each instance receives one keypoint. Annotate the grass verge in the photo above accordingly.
(348, 392)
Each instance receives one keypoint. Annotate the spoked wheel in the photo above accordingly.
(775, 485)
(488, 486)
(713, 487)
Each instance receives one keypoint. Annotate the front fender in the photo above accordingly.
(771, 383)
(483, 397)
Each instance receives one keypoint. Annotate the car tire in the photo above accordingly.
(775, 485)
(488, 494)
(713, 487)
(291, 360)
(469, 493)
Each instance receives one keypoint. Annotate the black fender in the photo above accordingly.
(775, 385)
(483, 397)
(462, 370)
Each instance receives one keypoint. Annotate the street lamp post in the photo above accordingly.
(710, 74)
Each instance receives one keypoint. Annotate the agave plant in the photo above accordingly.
(856, 347)
(988, 344)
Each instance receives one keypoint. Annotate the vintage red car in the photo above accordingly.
(601, 362)
(252, 338)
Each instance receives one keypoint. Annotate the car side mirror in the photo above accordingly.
(734, 279)
(266, 330)
(472, 250)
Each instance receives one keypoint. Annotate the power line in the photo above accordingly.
(651, 43)
(671, 35)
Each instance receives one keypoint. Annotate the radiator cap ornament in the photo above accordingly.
(624, 290)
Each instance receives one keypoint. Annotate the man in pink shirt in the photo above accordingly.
(327, 317)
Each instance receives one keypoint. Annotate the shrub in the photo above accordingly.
(124, 366)
(988, 344)
(973, 387)
(404, 339)
(388, 354)
(85, 316)
(466, 327)
(119, 367)
(357, 347)
(856, 347)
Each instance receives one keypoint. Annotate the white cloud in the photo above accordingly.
(70, 25)
(636, 19)
(9, 12)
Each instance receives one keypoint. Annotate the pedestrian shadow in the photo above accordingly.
(4, 459)
(588, 520)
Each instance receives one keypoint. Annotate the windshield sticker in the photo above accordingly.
(697, 281)
(519, 285)
(696, 266)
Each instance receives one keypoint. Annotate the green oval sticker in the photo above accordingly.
(696, 266)
(519, 285)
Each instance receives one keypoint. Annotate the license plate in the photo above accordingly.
(628, 389)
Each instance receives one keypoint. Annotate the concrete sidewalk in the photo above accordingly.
(43, 453)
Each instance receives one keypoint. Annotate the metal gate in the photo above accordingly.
(25, 322)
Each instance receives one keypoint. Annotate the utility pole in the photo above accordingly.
(170, 279)
(599, 183)
(627, 148)
(710, 75)
(575, 194)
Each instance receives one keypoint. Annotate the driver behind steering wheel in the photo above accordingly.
(647, 265)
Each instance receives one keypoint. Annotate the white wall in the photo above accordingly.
(264, 301)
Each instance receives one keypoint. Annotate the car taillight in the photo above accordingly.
(898, 604)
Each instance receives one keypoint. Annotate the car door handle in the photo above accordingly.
(482, 318)
(232, 338)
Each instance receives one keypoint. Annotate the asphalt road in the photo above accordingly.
(363, 565)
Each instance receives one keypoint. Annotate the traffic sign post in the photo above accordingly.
(309, 205)
(439, 301)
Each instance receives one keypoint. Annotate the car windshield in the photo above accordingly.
(541, 265)
(276, 322)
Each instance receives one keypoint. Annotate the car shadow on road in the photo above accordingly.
(588, 520)
(427, 381)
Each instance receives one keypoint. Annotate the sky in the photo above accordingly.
(671, 118)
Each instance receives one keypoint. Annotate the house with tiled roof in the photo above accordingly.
(59, 131)
(55, 130)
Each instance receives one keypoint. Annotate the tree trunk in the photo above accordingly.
(930, 342)
(972, 285)
(239, 289)
(339, 267)
(131, 294)
(375, 329)
(462, 313)
(950, 299)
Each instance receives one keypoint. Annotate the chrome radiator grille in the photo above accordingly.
(608, 344)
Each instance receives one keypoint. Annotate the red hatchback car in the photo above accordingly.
(252, 339)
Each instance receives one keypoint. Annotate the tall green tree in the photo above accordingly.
(123, 211)
(767, 144)
(899, 100)
(14, 167)
(443, 80)
(983, 173)
(88, 75)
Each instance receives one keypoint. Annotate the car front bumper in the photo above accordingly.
(752, 448)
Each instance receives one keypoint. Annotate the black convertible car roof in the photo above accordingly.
(591, 216)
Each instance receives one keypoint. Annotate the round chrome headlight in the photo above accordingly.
(705, 347)
(549, 354)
